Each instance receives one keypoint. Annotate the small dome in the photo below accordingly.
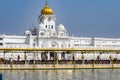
(41, 26)
(46, 10)
(33, 30)
(61, 28)
(28, 32)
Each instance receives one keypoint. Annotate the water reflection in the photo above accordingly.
(82, 74)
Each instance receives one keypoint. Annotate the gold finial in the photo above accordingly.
(46, 10)
(46, 2)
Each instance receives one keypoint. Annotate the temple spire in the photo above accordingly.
(46, 10)
(46, 2)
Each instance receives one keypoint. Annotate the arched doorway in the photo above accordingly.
(63, 56)
(51, 55)
(44, 56)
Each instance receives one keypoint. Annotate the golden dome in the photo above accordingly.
(46, 10)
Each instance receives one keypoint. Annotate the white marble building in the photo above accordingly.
(48, 35)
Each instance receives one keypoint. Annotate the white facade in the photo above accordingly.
(48, 35)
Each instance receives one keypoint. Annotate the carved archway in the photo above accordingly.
(63, 45)
(54, 44)
(44, 44)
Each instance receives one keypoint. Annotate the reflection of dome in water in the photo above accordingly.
(46, 10)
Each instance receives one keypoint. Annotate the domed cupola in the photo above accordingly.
(28, 33)
(61, 28)
(46, 10)
(62, 32)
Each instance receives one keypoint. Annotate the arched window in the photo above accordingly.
(44, 44)
(54, 44)
(63, 45)
(52, 27)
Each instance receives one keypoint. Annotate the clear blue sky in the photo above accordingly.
(96, 18)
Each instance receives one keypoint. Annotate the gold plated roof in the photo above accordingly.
(47, 10)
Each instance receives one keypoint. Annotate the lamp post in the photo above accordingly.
(11, 61)
(0, 61)
(111, 61)
(25, 57)
(55, 59)
(74, 59)
(33, 60)
(93, 60)
(18, 58)
(82, 58)
(4, 57)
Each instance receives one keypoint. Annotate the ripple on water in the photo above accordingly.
(81, 74)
